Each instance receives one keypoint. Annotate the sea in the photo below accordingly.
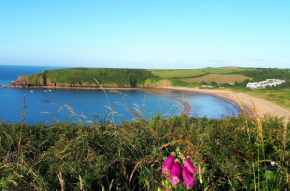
(49, 106)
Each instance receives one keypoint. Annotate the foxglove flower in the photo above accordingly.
(189, 166)
(188, 180)
(175, 173)
(167, 165)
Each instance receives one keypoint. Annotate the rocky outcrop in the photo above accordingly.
(20, 82)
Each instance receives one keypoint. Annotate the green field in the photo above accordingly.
(218, 78)
(177, 73)
(196, 72)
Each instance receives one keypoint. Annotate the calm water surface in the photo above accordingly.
(48, 106)
(202, 105)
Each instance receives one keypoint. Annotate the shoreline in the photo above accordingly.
(249, 106)
(186, 106)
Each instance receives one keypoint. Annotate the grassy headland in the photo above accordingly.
(86, 76)
(230, 154)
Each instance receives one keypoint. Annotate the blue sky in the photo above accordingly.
(145, 33)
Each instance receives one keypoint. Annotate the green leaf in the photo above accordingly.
(270, 175)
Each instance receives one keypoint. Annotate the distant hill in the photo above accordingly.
(230, 67)
(132, 78)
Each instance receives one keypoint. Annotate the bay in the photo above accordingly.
(86, 106)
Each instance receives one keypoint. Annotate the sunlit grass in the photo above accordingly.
(226, 78)
(232, 153)
(187, 73)
(279, 97)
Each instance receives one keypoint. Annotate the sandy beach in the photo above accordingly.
(247, 104)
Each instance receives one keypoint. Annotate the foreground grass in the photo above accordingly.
(231, 154)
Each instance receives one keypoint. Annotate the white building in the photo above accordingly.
(264, 84)
(206, 86)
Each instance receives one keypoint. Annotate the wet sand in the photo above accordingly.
(186, 106)
(247, 104)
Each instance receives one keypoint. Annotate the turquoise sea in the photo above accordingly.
(53, 105)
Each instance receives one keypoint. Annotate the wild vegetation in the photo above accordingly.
(230, 154)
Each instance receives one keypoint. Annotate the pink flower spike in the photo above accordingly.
(188, 180)
(189, 166)
(167, 165)
(175, 173)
